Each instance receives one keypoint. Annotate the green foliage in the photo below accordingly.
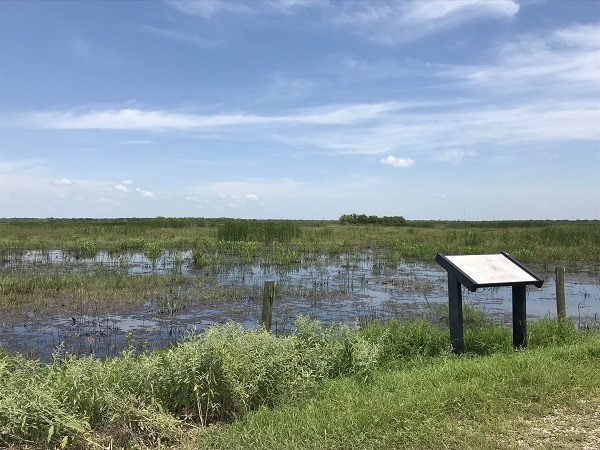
(226, 372)
(405, 340)
(152, 250)
(29, 409)
(549, 332)
(528, 241)
(265, 231)
(446, 402)
(363, 219)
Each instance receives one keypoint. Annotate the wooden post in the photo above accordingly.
(455, 314)
(561, 307)
(267, 306)
(519, 317)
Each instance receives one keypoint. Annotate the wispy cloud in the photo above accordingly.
(137, 142)
(562, 61)
(387, 22)
(136, 119)
(208, 8)
(397, 162)
(186, 37)
(121, 188)
(456, 155)
(364, 128)
(144, 194)
(61, 182)
(399, 22)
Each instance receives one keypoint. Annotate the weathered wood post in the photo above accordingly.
(267, 306)
(561, 307)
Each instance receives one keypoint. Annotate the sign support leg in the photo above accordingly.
(455, 314)
(519, 317)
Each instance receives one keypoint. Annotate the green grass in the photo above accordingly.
(442, 403)
(334, 387)
(528, 241)
(55, 290)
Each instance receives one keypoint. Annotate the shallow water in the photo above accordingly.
(346, 288)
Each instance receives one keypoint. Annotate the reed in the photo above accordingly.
(266, 231)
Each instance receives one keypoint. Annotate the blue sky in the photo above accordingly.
(298, 109)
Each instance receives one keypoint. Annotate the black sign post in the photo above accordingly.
(479, 271)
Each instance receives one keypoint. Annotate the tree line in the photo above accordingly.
(363, 219)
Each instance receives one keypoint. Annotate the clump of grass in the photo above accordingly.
(81, 247)
(153, 251)
(265, 231)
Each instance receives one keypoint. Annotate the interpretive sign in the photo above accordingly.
(478, 271)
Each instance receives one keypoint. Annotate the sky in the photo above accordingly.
(300, 109)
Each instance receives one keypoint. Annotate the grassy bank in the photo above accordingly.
(335, 387)
(447, 403)
(529, 241)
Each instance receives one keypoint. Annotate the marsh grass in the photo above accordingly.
(62, 289)
(528, 241)
(266, 231)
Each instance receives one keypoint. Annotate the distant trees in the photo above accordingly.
(363, 219)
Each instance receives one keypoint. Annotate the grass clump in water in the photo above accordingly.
(266, 231)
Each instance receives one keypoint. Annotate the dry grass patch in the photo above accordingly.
(576, 427)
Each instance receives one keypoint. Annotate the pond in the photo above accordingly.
(346, 287)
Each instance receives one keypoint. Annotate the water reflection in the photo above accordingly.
(349, 288)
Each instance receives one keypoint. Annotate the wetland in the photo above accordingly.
(94, 287)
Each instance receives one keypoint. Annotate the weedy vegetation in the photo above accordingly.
(338, 376)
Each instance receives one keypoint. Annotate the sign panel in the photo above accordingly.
(491, 269)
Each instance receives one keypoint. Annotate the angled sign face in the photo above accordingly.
(491, 269)
(475, 271)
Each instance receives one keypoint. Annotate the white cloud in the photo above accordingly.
(397, 162)
(126, 182)
(61, 182)
(398, 22)
(136, 142)
(135, 119)
(191, 38)
(388, 22)
(121, 188)
(381, 126)
(562, 61)
(251, 197)
(456, 155)
(207, 8)
(145, 194)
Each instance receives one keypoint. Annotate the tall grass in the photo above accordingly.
(266, 231)
(444, 403)
(529, 241)
(222, 374)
